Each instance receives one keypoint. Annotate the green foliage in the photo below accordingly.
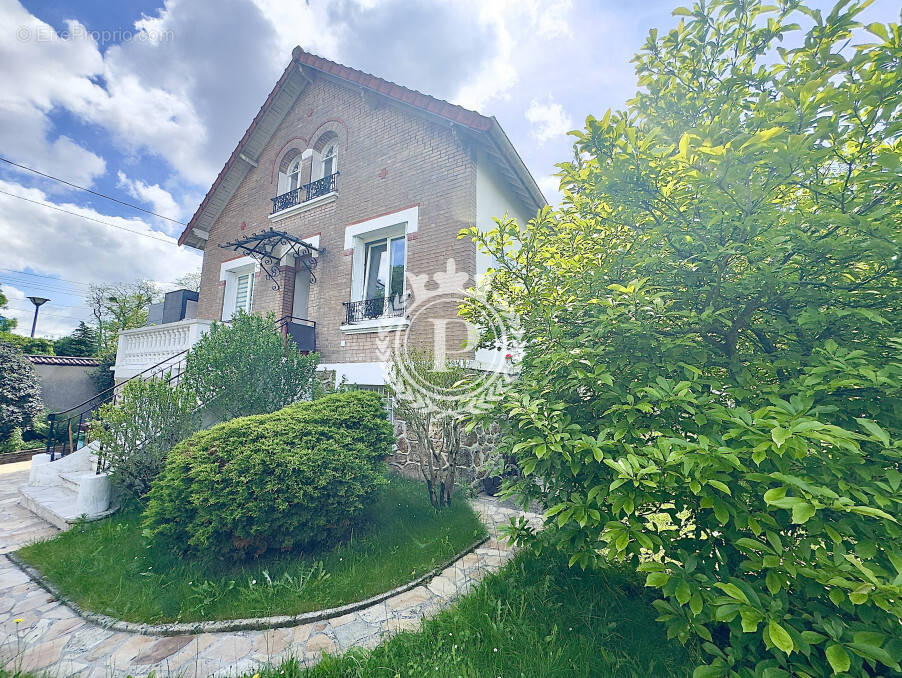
(433, 400)
(138, 430)
(28, 345)
(14, 442)
(149, 418)
(276, 481)
(7, 324)
(117, 307)
(244, 367)
(82, 342)
(710, 386)
(102, 376)
(20, 392)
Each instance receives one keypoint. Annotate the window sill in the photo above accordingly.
(304, 206)
(376, 325)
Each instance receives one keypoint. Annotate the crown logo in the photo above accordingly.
(449, 281)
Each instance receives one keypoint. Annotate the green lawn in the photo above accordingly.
(537, 618)
(110, 567)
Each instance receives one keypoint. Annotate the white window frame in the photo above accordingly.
(229, 272)
(357, 236)
(387, 239)
(326, 157)
(294, 175)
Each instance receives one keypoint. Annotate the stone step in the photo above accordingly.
(70, 481)
(56, 504)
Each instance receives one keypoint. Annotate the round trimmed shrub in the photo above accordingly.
(293, 479)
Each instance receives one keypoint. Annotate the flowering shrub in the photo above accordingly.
(292, 479)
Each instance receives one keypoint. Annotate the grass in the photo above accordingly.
(110, 567)
(535, 618)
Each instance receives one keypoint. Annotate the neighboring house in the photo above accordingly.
(344, 190)
(65, 380)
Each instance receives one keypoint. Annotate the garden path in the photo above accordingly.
(40, 634)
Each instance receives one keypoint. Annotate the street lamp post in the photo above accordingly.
(37, 301)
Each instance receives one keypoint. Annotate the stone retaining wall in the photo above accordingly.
(477, 451)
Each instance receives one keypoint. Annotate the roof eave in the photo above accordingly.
(499, 136)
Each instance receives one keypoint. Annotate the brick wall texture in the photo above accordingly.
(388, 159)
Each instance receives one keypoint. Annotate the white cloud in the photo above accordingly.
(548, 119)
(34, 68)
(551, 188)
(159, 199)
(67, 246)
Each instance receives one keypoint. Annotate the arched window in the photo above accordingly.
(294, 174)
(330, 161)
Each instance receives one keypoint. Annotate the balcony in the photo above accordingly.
(305, 196)
(373, 315)
(300, 330)
(145, 347)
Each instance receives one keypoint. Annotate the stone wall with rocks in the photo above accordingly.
(477, 450)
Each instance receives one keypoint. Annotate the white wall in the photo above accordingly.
(493, 198)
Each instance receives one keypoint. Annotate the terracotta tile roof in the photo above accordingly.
(444, 109)
(75, 361)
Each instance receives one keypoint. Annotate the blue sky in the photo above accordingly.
(145, 101)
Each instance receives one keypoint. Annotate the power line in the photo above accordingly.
(4, 271)
(82, 188)
(76, 214)
(10, 279)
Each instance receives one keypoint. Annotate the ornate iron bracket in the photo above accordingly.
(262, 248)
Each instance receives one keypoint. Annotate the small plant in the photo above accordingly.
(137, 432)
(288, 480)
(436, 429)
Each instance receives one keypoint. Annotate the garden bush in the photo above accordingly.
(282, 481)
(20, 391)
(138, 430)
(246, 367)
(711, 384)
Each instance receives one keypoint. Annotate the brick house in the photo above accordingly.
(345, 191)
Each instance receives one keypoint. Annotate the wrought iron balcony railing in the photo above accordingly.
(304, 193)
(370, 309)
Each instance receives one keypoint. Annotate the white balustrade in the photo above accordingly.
(144, 347)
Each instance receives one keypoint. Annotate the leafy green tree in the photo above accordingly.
(246, 367)
(28, 345)
(82, 342)
(710, 385)
(102, 376)
(7, 324)
(20, 392)
(189, 281)
(122, 306)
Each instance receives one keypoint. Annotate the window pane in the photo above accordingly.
(242, 291)
(294, 176)
(377, 270)
(398, 246)
(329, 162)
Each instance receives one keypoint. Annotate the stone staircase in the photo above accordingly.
(67, 490)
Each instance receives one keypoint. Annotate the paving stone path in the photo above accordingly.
(51, 638)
